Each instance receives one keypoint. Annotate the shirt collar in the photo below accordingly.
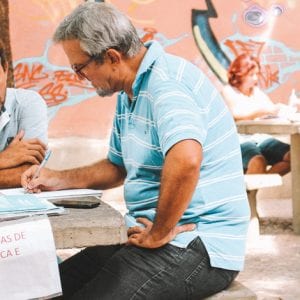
(3, 109)
(10, 100)
(154, 51)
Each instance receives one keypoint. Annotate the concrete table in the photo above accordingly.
(279, 127)
(88, 227)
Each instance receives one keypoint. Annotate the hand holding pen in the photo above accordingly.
(33, 173)
(43, 163)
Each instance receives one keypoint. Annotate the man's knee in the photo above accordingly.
(287, 157)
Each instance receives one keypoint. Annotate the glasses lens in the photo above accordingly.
(77, 69)
(80, 74)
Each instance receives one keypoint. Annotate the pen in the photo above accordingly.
(43, 163)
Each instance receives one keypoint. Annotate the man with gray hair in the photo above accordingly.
(175, 148)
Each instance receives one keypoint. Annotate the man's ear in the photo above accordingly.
(113, 56)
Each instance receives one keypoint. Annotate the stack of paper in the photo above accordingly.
(15, 203)
(15, 206)
(54, 194)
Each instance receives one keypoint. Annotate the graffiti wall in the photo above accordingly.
(209, 33)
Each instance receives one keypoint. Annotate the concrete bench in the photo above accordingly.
(254, 182)
(89, 227)
(236, 291)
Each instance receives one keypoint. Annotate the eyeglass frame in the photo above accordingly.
(78, 67)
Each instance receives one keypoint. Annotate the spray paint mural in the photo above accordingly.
(210, 33)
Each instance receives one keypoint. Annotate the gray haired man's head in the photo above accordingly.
(98, 27)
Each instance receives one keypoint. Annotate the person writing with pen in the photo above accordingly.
(23, 129)
(42, 164)
(175, 148)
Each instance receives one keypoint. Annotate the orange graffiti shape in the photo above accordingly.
(26, 77)
(238, 47)
(53, 93)
(149, 34)
(71, 78)
(268, 77)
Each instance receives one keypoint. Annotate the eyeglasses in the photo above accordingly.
(78, 68)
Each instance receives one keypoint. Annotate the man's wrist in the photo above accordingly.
(3, 161)
(6, 164)
(158, 234)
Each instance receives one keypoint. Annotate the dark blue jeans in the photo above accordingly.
(128, 272)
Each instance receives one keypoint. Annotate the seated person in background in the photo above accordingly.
(23, 129)
(247, 102)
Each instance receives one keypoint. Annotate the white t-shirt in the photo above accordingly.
(245, 107)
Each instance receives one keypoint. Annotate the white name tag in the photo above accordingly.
(4, 119)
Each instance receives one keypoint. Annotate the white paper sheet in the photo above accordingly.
(17, 206)
(28, 260)
(54, 194)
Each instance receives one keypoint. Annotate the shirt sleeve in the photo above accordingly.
(178, 115)
(33, 117)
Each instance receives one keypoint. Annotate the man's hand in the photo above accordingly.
(143, 237)
(47, 180)
(19, 152)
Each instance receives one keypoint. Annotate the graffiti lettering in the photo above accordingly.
(53, 93)
(26, 77)
(68, 77)
(266, 77)
(53, 86)
(251, 47)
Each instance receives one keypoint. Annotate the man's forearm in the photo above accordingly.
(103, 175)
(179, 179)
(11, 177)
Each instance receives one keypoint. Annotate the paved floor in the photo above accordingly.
(272, 268)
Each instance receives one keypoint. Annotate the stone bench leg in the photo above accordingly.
(253, 231)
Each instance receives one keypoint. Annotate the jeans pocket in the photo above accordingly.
(203, 279)
(206, 281)
(196, 278)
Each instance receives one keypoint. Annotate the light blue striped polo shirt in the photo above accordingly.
(173, 101)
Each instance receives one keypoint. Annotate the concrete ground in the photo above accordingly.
(272, 268)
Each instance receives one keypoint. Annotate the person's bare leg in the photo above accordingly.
(282, 167)
(257, 165)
